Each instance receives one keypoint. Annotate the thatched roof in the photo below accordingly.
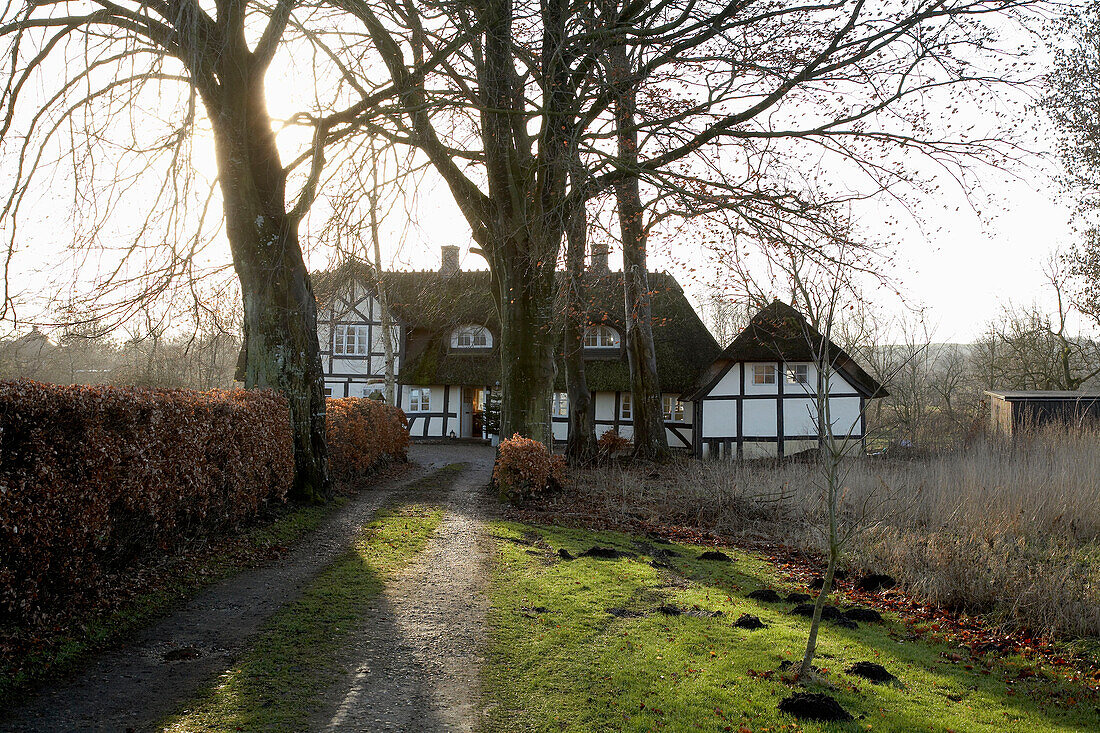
(431, 304)
(778, 332)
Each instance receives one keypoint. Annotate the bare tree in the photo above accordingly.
(521, 83)
(119, 55)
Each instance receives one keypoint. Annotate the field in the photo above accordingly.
(1010, 531)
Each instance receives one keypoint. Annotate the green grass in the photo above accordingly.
(578, 668)
(59, 653)
(276, 684)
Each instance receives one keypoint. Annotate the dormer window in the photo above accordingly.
(601, 337)
(471, 337)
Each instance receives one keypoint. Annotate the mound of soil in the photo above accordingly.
(866, 615)
(624, 613)
(813, 706)
(765, 595)
(870, 671)
(716, 555)
(604, 553)
(669, 610)
(817, 583)
(807, 609)
(799, 598)
(748, 621)
(873, 582)
(181, 654)
(564, 554)
(698, 612)
(535, 609)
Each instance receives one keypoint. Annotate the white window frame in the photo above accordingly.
(672, 407)
(626, 409)
(600, 336)
(559, 404)
(471, 337)
(763, 373)
(420, 399)
(353, 335)
(797, 374)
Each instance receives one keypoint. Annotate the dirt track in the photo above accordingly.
(132, 687)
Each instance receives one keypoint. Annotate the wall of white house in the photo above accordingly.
(609, 416)
(356, 375)
(739, 416)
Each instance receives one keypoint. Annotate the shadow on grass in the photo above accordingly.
(278, 683)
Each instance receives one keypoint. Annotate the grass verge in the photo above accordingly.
(275, 686)
(559, 661)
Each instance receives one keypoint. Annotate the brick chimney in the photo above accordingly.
(598, 258)
(450, 260)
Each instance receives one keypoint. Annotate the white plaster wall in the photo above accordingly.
(799, 416)
(719, 418)
(729, 384)
(605, 405)
(759, 419)
(844, 412)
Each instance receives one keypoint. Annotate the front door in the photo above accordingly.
(471, 413)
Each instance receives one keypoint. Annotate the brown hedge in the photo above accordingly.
(363, 434)
(525, 468)
(92, 477)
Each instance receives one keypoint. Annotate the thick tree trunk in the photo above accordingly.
(525, 301)
(281, 350)
(580, 448)
(650, 441)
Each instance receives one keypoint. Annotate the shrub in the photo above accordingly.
(612, 444)
(92, 477)
(364, 434)
(525, 468)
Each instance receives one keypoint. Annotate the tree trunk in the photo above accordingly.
(281, 350)
(525, 301)
(647, 411)
(580, 448)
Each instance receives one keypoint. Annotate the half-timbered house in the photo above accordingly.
(445, 333)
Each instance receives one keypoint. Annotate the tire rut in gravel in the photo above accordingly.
(414, 664)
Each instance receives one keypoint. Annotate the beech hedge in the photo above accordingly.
(525, 469)
(362, 434)
(92, 477)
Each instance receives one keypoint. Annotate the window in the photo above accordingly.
(624, 407)
(673, 408)
(471, 337)
(328, 391)
(420, 399)
(559, 405)
(350, 340)
(797, 374)
(763, 373)
(601, 337)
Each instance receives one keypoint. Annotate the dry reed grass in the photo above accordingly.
(1008, 529)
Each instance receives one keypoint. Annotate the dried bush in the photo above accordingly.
(611, 444)
(92, 477)
(523, 469)
(364, 434)
(1007, 529)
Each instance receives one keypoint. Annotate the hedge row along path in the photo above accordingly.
(133, 687)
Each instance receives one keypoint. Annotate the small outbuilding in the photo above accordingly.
(759, 397)
(1011, 410)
